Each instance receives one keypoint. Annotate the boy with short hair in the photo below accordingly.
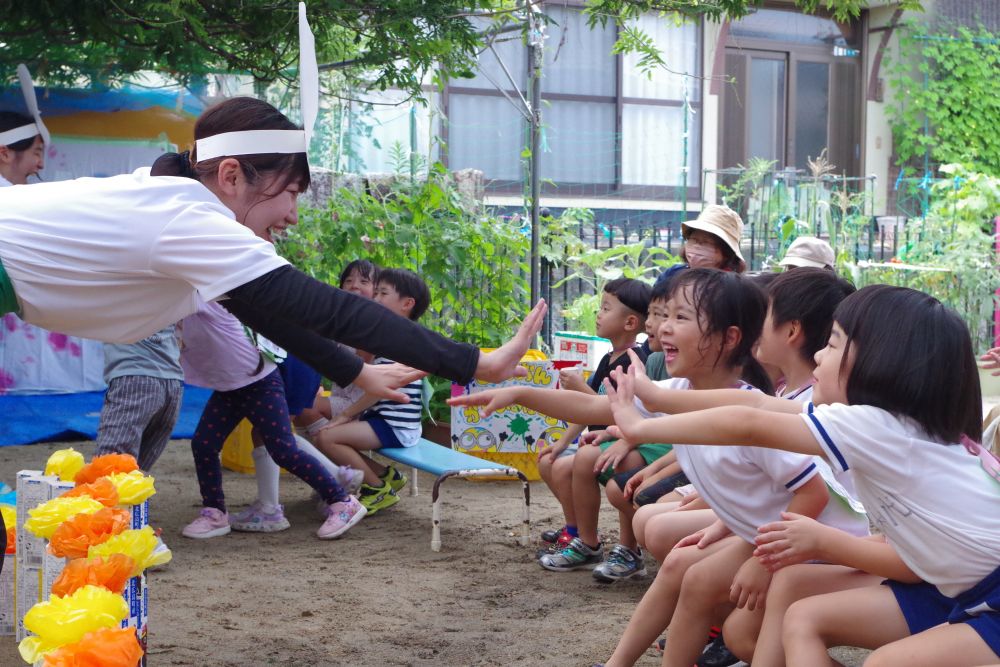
(622, 316)
(382, 423)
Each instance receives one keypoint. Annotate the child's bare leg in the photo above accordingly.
(704, 588)
(587, 490)
(954, 644)
(626, 511)
(866, 617)
(644, 514)
(558, 476)
(752, 636)
(652, 614)
(343, 445)
(665, 530)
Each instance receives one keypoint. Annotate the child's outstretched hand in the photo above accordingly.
(490, 400)
(750, 585)
(795, 539)
(385, 379)
(622, 400)
(504, 362)
(991, 360)
(643, 386)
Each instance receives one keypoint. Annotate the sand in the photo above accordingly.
(379, 595)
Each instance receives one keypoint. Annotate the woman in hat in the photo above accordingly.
(711, 241)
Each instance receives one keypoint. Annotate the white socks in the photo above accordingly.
(312, 429)
(309, 448)
(267, 472)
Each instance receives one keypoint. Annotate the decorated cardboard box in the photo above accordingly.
(514, 435)
(8, 619)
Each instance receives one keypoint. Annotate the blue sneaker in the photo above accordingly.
(574, 556)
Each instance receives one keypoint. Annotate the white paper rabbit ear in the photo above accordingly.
(255, 142)
(308, 75)
(37, 127)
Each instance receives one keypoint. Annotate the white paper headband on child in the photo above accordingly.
(256, 142)
(34, 129)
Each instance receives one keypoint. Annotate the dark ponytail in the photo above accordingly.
(174, 164)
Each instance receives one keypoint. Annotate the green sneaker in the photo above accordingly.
(394, 478)
(375, 499)
(574, 556)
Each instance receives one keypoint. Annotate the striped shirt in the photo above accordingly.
(403, 418)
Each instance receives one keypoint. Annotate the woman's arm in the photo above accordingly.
(284, 304)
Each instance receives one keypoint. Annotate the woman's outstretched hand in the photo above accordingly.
(384, 380)
(504, 362)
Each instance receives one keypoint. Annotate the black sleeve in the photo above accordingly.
(299, 313)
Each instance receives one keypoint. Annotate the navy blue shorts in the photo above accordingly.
(301, 384)
(386, 436)
(924, 607)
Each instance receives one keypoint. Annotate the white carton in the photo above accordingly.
(33, 489)
(28, 587)
(8, 621)
(573, 346)
(140, 515)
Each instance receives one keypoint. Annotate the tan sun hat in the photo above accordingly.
(809, 251)
(720, 221)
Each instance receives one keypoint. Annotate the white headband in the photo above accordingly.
(27, 131)
(255, 142)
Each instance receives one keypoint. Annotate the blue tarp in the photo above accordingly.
(46, 417)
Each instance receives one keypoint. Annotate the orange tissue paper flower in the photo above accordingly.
(102, 490)
(108, 647)
(107, 464)
(75, 537)
(110, 572)
(10, 521)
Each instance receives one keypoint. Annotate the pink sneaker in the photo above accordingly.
(211, 522)
(340, 517)
(253, 519)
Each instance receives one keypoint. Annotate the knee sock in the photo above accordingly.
(307, 447)
(267, 473)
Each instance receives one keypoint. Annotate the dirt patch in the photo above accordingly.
(379, 596)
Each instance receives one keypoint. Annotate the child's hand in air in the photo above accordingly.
(706, 536)
(643, 386)
(750, 585)
(795, 539)
(572, 379)
(490, 400)
(385, 379)
(612, 456)
(505, 361)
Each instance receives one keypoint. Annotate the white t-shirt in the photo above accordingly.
(117, 259)
(750, 486)
(934, 502)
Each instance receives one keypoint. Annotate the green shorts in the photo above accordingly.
(649, 453)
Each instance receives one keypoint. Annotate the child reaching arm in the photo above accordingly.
(884, 413)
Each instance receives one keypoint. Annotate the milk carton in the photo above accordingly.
(8, 618)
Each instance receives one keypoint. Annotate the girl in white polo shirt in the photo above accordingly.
(897, 402)
(117, 259)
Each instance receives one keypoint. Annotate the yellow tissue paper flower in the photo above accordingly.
(48, 516)
(139, 545)
(65, 463)
(133, 487)
(65, 620)
(9, 515)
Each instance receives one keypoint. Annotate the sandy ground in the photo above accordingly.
(378, 596)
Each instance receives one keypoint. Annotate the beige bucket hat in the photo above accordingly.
(720, 221)
(809, 251)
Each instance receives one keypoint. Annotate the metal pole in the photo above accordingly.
(535, 56)
(413, 144)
